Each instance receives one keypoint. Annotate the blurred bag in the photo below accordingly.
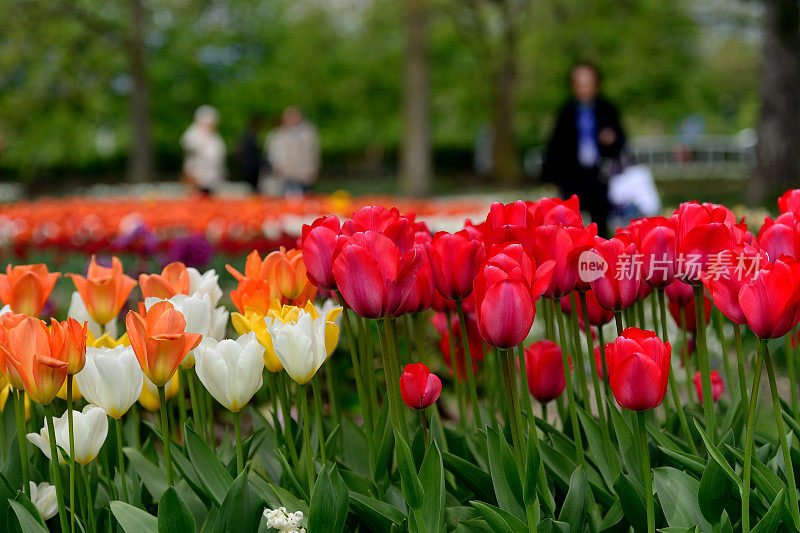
(632, 193)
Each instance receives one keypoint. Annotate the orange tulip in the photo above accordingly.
(7, 322)
(281, 275)
(159, 341)
(174, 279)
(68, 343)
(104, 290)
(28, 350)
(25, 288)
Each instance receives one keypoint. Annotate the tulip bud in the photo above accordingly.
(717, 387)
(638, 368)
(545, 367)
(419, 387)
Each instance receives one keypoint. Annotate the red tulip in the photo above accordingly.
(506, 291)
(725, 283)
(658, 246)
(388, 222)
(598, 362)
(556, 211)
(564, 245)
(318, 242)
(454, 259)
(690, 322)
(717, 387)
(770, 301)
(780, 236)
(618, 286)
(509, 223)
(679, 291)
(372, 274)
(545, 369)
(419, 387)
(702, 232)
(638, 369)
(597, 314)
(477, 348)
(789, 201)
(420, 297)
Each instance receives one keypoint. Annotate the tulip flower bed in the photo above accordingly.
(520, 374)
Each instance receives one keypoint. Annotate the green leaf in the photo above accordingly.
(470, 476)
(717, 456)
(329, 503)
(677, 492)
(28, 522)
(548, 525)
(631, 498)
(769, 523)
(686, 460)
(215, 478)
(412, 488)
(532, 465)
(573, 511)
(596, 443)
(241, 509)
(505, 474)
(612, 517)
(499, 520)
(376, 515)
(153, 476)
(713, 493)
(431, 475)
(628, 449)
(173, 514)
(132, 519)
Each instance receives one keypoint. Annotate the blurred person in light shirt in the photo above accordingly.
(293, 153)
(204, 152)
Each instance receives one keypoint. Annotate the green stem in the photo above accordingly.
(655, 315)
(618, 321)
(717, 316)
(578, 351)
(197, 405)
(424, 422)
(71, 430)
(687, 363)
(748, 446)
(791, 371)
(89, 501)
(302, 405)
(121, 459)
(162, 398)
(392, 383)
(237, 429)
(737, 336)
(791, 493)
(209, 409)
(136, 432)
(395, 345)
(62, 512)
(473, 394)
(368, 365)
(181, 400)
(362, 394)
(525, 395)
(287, 417)
(457, 385)
(598, 398)
(19, 408)
(512, 405)
(318, 418)
(333, 393)
(673, 385)
(576, 429)
(702, 352)
(646, 474)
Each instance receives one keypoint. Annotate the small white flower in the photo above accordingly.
(284, 521)
(231, 370)
(44, 498)
(205, 283)
(90, 428)
(111, 379)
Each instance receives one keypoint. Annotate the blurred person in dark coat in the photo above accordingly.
(587, 141)
(249, 153)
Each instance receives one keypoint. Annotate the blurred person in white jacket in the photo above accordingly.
(204, 159)
(293, 153)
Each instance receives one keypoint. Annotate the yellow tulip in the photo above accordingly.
(149, 396)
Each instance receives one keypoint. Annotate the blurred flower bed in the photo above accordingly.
(190, 228)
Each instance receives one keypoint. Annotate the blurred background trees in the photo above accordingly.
(103, 90)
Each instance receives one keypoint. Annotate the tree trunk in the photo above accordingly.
(140, 162)
(415, 163)
(505, 166)
(777, 160)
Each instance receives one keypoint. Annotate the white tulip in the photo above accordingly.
(300, 346)
(44, 498)
(77, 310)
(111, 379)
(205, 283)
(327, 306)
(231, 370)
(90, 430)
(219, 323)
